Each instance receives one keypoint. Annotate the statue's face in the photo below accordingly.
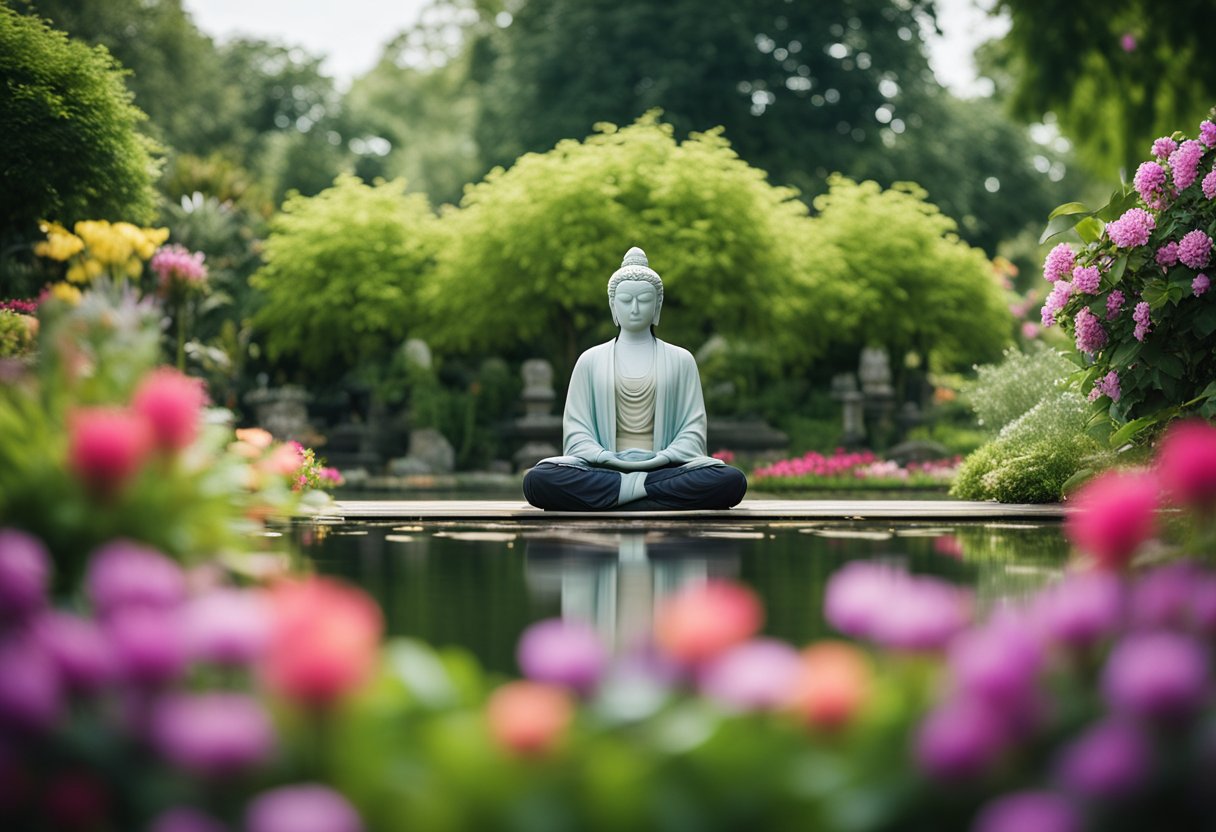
(634, 305)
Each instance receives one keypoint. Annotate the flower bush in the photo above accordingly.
(856, 469)
(1134, 295)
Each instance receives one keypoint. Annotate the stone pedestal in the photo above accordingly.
(538, 427)
(281, 410)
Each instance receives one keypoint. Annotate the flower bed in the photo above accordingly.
(859, 470)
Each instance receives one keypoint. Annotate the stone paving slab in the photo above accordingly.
(518, 510)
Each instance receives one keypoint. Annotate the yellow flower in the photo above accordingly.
(60, 244)
(77, 274)
(134, 267)
(66, 293)
(150, 240)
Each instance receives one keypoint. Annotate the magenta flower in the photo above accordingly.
(1156, 676)
(1163, 147)
(124, 573)
(177, 268)
(1132, 229)
(894, 609)
(172, 403)
(960, 738)
(1207, 133)
(1167, 255)
(1150, 184)
(227, 626)
(1041, 811)
(147, 643)
(1114, 303)
(25, 569)
(304, 808)
(1112, 515)
(185, 819)
(1030, 330)
(211, 734)
(1107, 386)
(1209, 184)
(1128, 42)
(1108, 761)
(1086, 279)
(1059, 262)
(1162, 598)
(1186, 463)
(1200, 284)
(1060, 293)
(30, 695)
(1194, 249)
(563, 652)
(757, 675)
(1184, 162)
(998, 663)
(1090, 335)
(1081, 610)
(78, 648)
(1142, 315)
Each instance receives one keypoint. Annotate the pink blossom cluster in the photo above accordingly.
(1107, 386)
(1184, 162)
(1132, 229)
(1060, 293)
(1142, 316)
(1194, 249)
(1163, 147)
(1167, 255)
(1114, 303)
(1090, 335)
(1150, 182)
(1209, 184)
(21, 307)
(1059, 262)
(176, 266)
(1207, 133)
(1200, 284)
(1086, 279)
(813, 463)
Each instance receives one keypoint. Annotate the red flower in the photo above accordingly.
(1186, 464)
(323, 641)
(1113, 514)
(171, 403)
(106, 446)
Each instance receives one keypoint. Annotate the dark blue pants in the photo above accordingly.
(563, 488)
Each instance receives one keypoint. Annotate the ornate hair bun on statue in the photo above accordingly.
(635, 257)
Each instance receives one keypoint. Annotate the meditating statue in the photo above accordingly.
(634, 424)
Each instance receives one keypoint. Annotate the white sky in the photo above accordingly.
(351, 33)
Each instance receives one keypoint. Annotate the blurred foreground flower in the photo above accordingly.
(1112, 515)
(702, 621)
(528, 718)
(303, 808)
(561, 652)
(835, 681)
(1186, 463)
(171, 402)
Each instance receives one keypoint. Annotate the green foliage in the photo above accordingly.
(16, 334)
(909, 284)
(526, 258)
(72, 149)
(1111, 101)
(341, 275)
(1003, 392)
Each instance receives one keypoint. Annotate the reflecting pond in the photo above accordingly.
(477, 585)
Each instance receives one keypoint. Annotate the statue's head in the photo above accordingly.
(633, 273)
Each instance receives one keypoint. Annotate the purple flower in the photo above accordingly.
(1128, 42)
(1141, 315)
(1156, 675)
(1200, 284)
(1163, 147)
(185, 819)
(1041, 811)
(1107, 386)
(1132, 229)
(30, 695)
(1150, 184)
(1109, 760)
(124, 573)
(959, 738)
(1114, 302)
(25, 569)
(1167, 255)
(1162, 598)
(1059, 263)
(1060, 293)
(226, 626)
(1209, 184)
(1184, 162)
(1082, 609)
(561, 652)
(1086, 279)
(1090, 335)
(148, 644)
(1207, 133)
(1203, 604)
(211, 734)
(303, 808)
(78, 649)
(889, 606)
(1194, 249)
(757, 675)
(998, 663)
(176, 266)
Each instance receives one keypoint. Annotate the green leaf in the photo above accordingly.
(1058, 225)
(1124, 434)
(1089, 230)
(1125, 353)
(1120, 201)
(1205, 321)
(1156, 293)
(1116, 272)
(1077, 478)
(1169, 364)
(1069, 208)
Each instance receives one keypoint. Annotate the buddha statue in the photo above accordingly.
(634, 423)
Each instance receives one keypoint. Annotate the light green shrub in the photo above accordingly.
(1003, 392)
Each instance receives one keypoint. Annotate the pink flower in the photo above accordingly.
(1158, 675)
(171, 402)
(1059, 263)
(176, 267)
(834, 682)
(124, 574)
(528, 718)
(560, 652)
(1186, 463)
(1167, 255)
(1209, 184)
(959, 738)
(998, 664)
(78, 648)
(1132, 229)
(1150, 184)
(1041, 811)
(1128, 42)
(1184, 162)
(1082, 609)
(148, 645)
(211, 734)
(1200, 284)
(1107, 386)
(1059, 296)
(1114, 302)
(25, 571)
(30, 694)
(257, 437)
(227, 626)
(874, 601)
(284, 459)
(702, 621)
(185, 819)
(1163, 147)
(1030, 330)
(107, 446)
(755, 675)
(1142, 316)
(1090, 335)
(1194, 249)
(1112, 515)
(1109, 760)
(1086, 279)
(1207, 133)
(303, 808)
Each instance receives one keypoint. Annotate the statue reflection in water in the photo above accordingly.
(615, 580)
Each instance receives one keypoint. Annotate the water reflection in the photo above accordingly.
(478, 585)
